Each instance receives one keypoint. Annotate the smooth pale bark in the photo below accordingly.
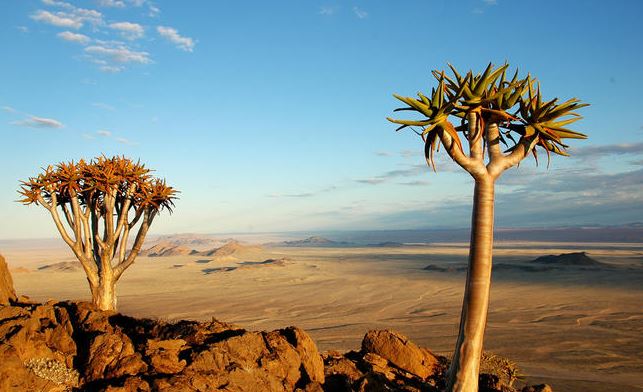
(104, 294)
(465, 366)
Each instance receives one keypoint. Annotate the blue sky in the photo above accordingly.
(270, 116)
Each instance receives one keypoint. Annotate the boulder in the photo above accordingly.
(401, 352)
(7, 292)
(164, 355)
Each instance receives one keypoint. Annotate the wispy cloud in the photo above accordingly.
(111, 3)
(327, 10)
(172, 35)
(383, 154)
(56, 3)
(59, 19)
(128, 30)
(360, 13)
(592, 152)
(9, 109)
(38, 122)
(303, 194)
(74, 37)
(72, 17)
(123, 140)
(490, 2)
(107, 53)
(104, 133)
(410, 171)
(415, 183)
(103, 106)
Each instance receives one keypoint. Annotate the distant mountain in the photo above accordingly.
(231, 248)
(165, 249)
(194, 241)
(576, 258)
(387, 244)
(312, 242)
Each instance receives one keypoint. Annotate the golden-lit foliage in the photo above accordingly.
(492, 98)
(89, 182)
(95, 206)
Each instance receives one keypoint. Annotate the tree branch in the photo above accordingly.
(493, 141)
(474, 118)
(472, 166)
(54, 214)
(520, 152)
(148, 217)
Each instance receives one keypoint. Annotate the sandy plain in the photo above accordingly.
(576, 328)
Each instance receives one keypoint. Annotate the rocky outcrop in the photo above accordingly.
(7, 293)
(70, 344)
(400, 352)
(62, 346)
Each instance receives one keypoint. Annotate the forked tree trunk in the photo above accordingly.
(104, 293)
(465, 366)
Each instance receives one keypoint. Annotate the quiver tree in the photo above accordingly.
(492, 112)
(97, 206)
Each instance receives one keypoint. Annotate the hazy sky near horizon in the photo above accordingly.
(270, 116)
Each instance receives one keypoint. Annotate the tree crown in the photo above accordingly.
(515, 105)
(89, 182)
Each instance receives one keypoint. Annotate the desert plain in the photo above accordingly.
(577, 327)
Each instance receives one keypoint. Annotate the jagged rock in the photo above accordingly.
(307, 350)
(537, 388)
(164, 355)
(112, 356)
(401, 352)
(71, 345)
(7, 292)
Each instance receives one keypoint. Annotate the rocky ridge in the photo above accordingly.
(64, 346)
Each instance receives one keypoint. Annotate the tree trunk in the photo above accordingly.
(104, 294)
(465, 366)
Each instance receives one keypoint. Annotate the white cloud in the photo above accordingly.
(104, 133)
(360, 13)
(9, 109)
(74, 17)
(23, 29)
(122, 140)
(111, 68)
(39, 122)
(119, 53)
(111, 3)
(59, 19)
(327, 11)
(73, 37)
(128, 30)
(172, 35)
(490, 2)
(154, 11)
(61, 4)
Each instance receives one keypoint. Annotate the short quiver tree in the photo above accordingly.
(96, 205)
(492, 111)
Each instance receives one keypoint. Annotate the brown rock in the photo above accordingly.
(401, 352)
(307, 350)
(7, 292)
(111, 356)
(131, 384)
(537, 388)
(164, 355)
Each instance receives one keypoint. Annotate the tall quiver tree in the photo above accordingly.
(492, 111)
(95, 206)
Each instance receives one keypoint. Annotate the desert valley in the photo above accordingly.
(574, 321)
